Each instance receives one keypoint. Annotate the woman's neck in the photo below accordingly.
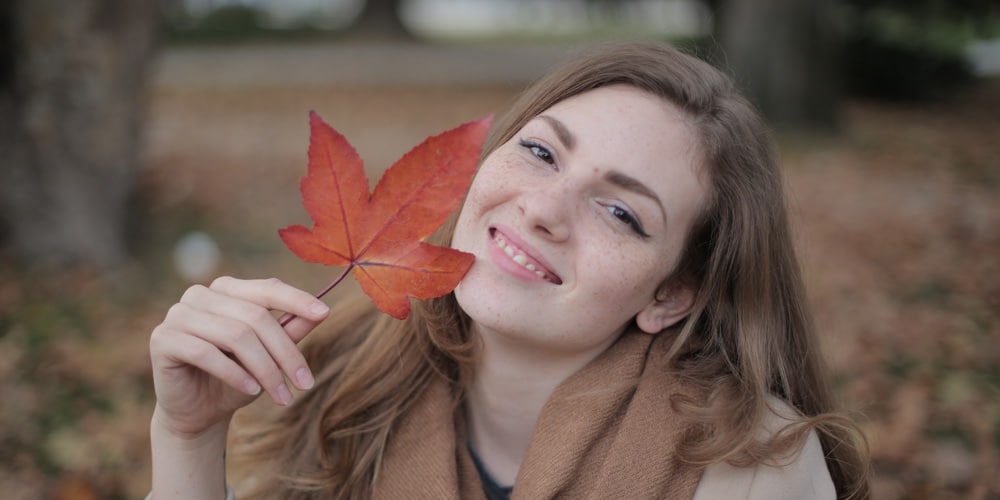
(511, 385)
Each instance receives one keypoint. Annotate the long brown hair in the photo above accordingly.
(748, 338)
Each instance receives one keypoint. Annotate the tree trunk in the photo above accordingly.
(784, 55)
(380, 19)
(71, 94)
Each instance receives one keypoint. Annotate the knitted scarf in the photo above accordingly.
(608, 431)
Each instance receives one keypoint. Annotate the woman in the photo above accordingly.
(634, 326)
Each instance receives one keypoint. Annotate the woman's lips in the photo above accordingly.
(506, 250)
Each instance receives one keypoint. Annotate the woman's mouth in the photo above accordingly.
(518, 256)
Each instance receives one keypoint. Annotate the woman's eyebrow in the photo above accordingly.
(615, 177)
(630, 183)
(563, 133)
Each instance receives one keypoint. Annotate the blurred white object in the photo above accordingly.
(984, 55)
(196, 256)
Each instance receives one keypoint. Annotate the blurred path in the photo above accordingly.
(354, 63)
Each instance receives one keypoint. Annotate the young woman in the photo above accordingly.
(634, 326)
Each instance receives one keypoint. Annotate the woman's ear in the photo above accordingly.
(666, 310)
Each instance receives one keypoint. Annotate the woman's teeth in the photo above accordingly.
(518, 257)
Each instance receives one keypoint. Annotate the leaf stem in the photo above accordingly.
(289, 317)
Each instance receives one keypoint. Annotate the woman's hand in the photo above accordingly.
(221, 346)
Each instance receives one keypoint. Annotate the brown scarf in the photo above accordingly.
(607, 431)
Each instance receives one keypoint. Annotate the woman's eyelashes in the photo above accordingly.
(627, 218)
(623, 215)
(538, 151)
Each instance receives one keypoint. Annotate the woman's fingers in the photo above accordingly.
(296, 326)
(274, 294)
(258, 344)
(249, 322)
(303, 311)
(228, 330)
(196, 352)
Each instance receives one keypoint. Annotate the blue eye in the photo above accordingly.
(537, 150)
(626, 217)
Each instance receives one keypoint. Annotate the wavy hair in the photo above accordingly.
(749, 336)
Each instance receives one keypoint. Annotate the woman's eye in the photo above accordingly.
(539, 151)
(629, 219)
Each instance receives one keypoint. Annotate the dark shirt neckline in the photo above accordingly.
(493, 489)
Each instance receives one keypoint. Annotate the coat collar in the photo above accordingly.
(607, 431)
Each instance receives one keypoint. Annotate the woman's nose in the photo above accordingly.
(547, 210)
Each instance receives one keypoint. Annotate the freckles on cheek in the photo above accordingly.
(637, 273)
(610, 281)
(474, 202)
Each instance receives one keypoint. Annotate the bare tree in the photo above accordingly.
(380, 19)
(784, 54)
(72, 76)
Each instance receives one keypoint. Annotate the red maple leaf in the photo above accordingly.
(379, 235)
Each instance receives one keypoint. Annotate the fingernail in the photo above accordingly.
(251, 386)
(318, 308)
(305, 378)
(284, 395)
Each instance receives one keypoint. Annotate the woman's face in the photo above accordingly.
(577, 219)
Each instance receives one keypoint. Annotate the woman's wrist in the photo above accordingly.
(188, 465)
(185, 438)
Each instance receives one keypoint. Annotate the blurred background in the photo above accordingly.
(147, 145)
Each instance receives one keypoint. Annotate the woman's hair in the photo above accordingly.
(748, 338)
